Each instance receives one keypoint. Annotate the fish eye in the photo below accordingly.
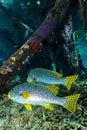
(21, 94)
(35, 80)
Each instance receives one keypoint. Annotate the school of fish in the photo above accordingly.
(35, 93)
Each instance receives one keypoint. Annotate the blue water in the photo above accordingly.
(14, 15)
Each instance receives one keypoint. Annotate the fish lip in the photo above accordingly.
(28, 79)
(9, 95)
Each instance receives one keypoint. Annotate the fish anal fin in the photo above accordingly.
(48, 106)
(28, 107)
(70, 80)
(54, 89)
(71, 102)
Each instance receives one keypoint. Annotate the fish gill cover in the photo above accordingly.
(48, 34)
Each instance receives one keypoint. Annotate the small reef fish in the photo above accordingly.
(30, 94)
(44, 76)
(77, 38)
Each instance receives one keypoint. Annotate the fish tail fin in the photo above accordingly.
(70, 80)
(71, 102)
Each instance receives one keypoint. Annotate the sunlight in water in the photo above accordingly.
(7, 3)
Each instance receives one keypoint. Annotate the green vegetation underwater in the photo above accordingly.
(43, 64)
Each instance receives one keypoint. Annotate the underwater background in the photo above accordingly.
(19, 19)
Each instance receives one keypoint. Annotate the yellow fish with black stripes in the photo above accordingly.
(45, 76)
(31, 94)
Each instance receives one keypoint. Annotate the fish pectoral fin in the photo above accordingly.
(57, 74)
(70, 80)
(25, 95)
(28, 107)
(48, 106)
(71, 102)
(54, 89)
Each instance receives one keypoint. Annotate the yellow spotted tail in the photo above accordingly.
(70, 80)
(72, 102)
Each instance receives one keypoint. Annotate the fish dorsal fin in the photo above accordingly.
(54, 72)
(57, 74)
(25, 95)
(28, 107)
(48, 106)
(54, 89)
